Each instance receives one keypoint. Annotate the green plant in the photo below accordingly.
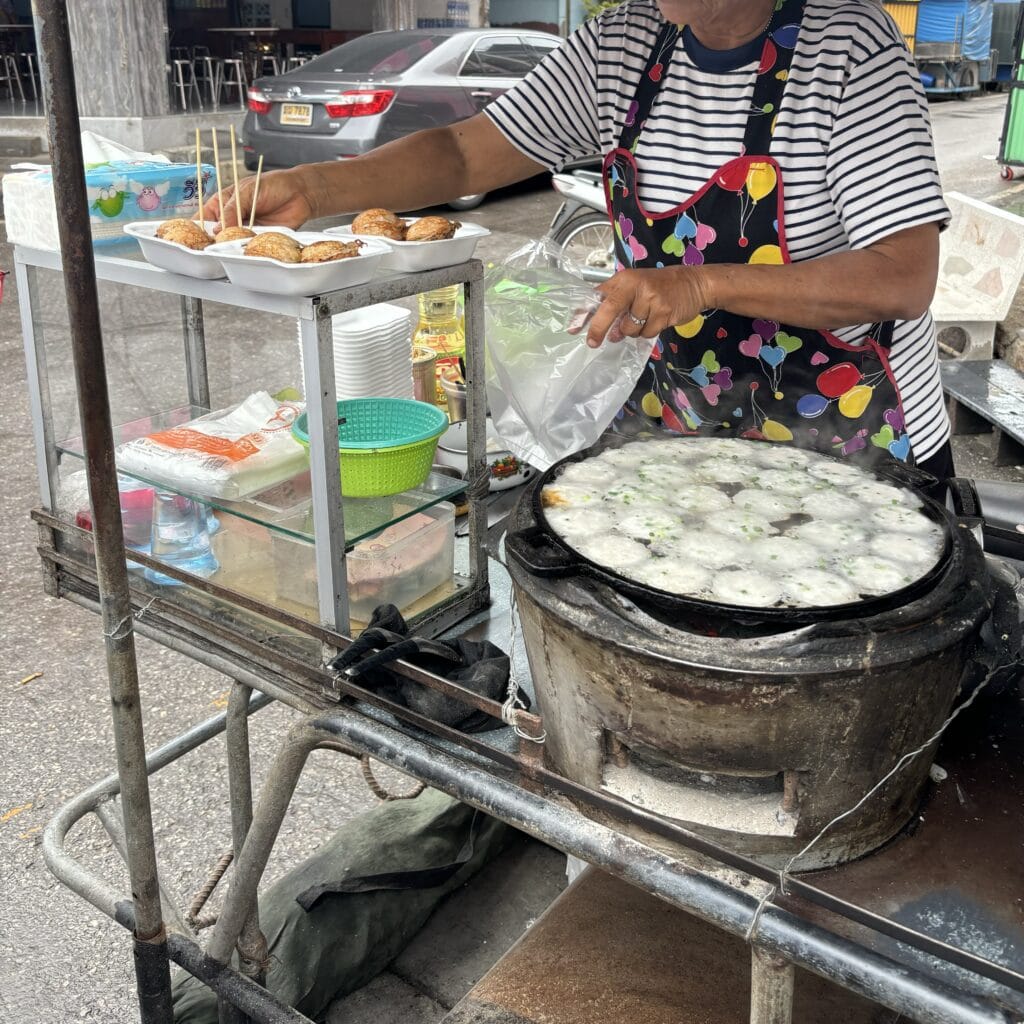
(592, 8)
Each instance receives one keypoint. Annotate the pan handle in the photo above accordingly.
(911, 476)
(534, 549)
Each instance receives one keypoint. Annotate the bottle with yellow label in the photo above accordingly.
(442, 328)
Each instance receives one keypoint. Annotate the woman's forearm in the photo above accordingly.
(424, 169)
(419, 170)
(893, 280)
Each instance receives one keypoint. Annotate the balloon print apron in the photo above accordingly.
(727, 374)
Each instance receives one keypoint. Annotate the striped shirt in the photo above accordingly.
(853, 141)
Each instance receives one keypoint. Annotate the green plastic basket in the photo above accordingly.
(386, 445)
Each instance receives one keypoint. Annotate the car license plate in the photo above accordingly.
(297, 113)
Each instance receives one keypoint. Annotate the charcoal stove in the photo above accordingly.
(755, 732)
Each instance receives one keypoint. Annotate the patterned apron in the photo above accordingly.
(725, 374)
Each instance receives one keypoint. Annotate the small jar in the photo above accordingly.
(455, 391)
(424, 363)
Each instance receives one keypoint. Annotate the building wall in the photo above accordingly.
(357, 15)
(352, 16)
(537, 12)
(281, 13)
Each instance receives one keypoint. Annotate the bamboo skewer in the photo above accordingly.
(216, 167)
(255, 192)
(234, 178)
(199, 180)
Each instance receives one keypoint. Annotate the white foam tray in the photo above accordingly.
(262, 274)
(173, 256)
(409, 257)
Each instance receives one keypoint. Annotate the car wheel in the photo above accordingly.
(587, 239)
(250, 162)
(468, 202)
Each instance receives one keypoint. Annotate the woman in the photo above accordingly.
(770, 175)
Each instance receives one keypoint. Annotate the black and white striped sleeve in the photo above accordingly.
(881, 168)
(551, 115)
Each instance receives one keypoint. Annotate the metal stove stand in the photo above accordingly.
(842, 927)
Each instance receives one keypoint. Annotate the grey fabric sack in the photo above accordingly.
(368, 890)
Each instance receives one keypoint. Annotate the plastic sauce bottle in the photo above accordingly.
(442, 327)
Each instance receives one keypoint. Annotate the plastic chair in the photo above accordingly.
(233, 77)
(185, 82)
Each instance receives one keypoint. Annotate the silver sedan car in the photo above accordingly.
(381, 87)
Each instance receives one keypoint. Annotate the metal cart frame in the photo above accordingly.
(504, 775)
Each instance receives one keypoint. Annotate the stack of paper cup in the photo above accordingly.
(372, 353)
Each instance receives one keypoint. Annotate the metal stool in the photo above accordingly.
(294, 63)
(10, 76)
(233, 77)
(207, 71)
(28, 61)
(185, 82)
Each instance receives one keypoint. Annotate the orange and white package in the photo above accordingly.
(228, 454)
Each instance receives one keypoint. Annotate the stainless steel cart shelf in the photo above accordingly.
(326, 527)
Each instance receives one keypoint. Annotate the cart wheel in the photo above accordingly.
(1006, 174)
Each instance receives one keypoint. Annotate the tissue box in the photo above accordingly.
(119, 192)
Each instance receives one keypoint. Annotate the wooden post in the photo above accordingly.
(771, 988)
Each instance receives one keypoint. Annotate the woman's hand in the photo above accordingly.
(285, 198)
(647, 302)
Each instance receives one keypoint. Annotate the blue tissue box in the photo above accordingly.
(118, 193)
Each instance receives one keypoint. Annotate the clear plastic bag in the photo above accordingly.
(549, 393)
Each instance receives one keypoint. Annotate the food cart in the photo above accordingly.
(931, 926)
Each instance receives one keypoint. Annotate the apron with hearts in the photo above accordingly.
(731, 375)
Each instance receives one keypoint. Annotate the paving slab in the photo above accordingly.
(404, 1004)
(606, 953)
(479, 922)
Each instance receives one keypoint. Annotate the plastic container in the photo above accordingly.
(407, 257)
(400, 566)
(262, 274)
(180, 537)
(386, 444)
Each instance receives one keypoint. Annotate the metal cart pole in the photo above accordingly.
(152, 967)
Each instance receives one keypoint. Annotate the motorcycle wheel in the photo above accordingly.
(587, 239)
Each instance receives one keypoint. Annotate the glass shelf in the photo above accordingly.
(285, 507)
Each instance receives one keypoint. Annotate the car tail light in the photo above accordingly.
(258, 103)
(360, 103)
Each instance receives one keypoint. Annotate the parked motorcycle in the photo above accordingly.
(581, 225)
